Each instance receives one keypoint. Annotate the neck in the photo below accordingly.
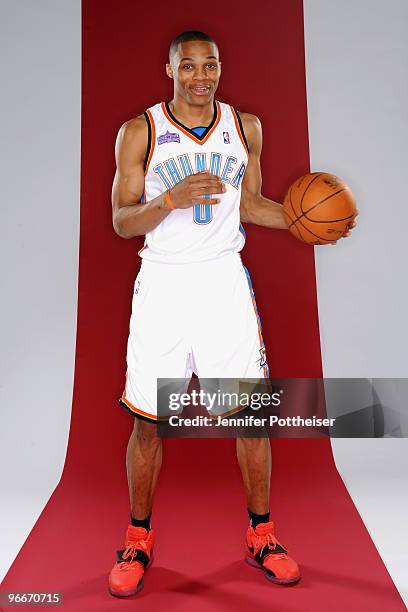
(192, 115)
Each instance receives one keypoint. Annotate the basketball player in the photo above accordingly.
(188, 171)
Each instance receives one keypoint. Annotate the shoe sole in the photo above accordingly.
(254, 563)
(135, 591)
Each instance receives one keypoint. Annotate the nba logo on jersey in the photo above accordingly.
(226, 137)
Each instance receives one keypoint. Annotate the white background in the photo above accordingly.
(356, 67)
(40, 146)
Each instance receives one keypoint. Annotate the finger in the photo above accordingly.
(214, 188)
(203, 185)
(203, 200)
(208, 190)
(205, 177)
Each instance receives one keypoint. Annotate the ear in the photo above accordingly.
(169, 71)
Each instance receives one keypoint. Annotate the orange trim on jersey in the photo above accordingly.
(261, 342)
(152, 139)
(152, 417)
(142, 249)
(189, 134)
(234, 114)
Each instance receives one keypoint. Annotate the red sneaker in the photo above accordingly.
(265, 552)
(126, 577)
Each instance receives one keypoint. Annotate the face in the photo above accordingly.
(195, 69)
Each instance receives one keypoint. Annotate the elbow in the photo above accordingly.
(124, 226)
(127, 226)
(244, 217)
(120, 229)
(244, 214)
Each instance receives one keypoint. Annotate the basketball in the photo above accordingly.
(319, 208)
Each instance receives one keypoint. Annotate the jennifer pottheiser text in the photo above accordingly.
(249, 421)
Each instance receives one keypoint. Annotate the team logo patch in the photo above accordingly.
(226, 138)
(168, 137)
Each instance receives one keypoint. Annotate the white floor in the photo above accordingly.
(376, 476)
(19, 511)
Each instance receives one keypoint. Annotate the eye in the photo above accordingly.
(187, 67)
(212, 66)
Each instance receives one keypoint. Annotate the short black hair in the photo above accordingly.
(188, 36)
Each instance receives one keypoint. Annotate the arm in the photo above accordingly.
(255, 208)
(130, 217)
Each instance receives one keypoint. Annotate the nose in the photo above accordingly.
(200, 73)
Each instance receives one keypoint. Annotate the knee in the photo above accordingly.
(253, 443)
(145, 432)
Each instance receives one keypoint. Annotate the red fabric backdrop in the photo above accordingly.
(200, 513)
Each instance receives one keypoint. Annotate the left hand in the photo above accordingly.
(350, 226)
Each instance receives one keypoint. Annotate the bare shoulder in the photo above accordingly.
(252, 129)
(132, 137)
(134, 129)
(250, 121)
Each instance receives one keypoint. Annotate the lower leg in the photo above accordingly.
(255, 461)
(143, 462)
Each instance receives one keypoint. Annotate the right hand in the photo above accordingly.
(193, 189)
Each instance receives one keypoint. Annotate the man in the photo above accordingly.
(188, 172)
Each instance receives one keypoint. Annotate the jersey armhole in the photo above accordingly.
(240, 128)
(150, 143)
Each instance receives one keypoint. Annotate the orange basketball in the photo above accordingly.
(319, 208)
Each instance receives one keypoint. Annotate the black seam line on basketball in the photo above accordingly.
(313, 234)
(293, 224)
(286, 213)
(305, 191)
(290, 219)
(304, 214)
(331, 220)
(301, 237)
(295, 227)
(321, 202)
(302, 179)
(291, 204)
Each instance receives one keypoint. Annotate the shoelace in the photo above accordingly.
(131, 551)
(271, 542)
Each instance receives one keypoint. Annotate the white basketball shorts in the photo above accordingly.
(194, 317)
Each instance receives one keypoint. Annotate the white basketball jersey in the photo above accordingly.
(203, 231)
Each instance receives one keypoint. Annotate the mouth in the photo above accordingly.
(200, 90)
